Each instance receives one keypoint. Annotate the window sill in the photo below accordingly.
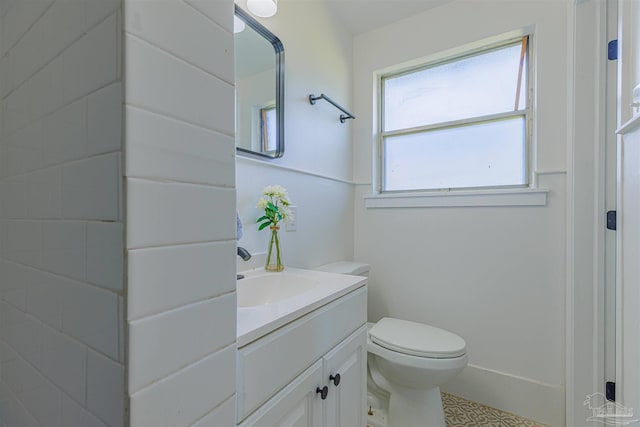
(502, 197)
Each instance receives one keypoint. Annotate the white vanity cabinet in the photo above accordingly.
(298, 404)
(284, 375)
(346, 402)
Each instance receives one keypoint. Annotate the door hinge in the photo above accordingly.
(610, 391)
(612, 50)
(611, 220)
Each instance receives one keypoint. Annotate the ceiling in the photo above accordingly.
(360, 16)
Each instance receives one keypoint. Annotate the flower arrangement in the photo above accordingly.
(275, 202)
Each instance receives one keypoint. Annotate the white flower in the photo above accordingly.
(262, 203)
(277, 196)
(276, 191)
(286, 213)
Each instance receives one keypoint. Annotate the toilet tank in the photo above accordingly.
(346, 267)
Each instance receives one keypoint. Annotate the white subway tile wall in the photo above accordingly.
(157, 213)
(223, 415)
(160, 147)
(180, 179)
(206, 325)
(195, 389)
(61, 228)
(105, 379)
(155, 271)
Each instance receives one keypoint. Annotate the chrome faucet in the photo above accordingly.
(246, 256)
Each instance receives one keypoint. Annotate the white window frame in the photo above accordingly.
(515, 195)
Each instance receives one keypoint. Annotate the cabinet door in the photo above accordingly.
(297, 405)
(270, 363)
(346, 402)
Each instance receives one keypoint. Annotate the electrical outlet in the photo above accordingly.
(293, 224)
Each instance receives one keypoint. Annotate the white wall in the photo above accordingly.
(317, 60)
(494, 275)
(180, 240)
(629, 70)
(628, 375)
(61, 232)
(588, 166)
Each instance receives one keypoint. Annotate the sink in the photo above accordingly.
(268, 301)
(271, 288)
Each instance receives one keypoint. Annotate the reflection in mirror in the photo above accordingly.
(259, 61)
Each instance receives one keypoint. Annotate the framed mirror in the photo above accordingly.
(259, 62)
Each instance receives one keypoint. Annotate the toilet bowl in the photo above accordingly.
(407, 362)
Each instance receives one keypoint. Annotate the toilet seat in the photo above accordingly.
(417, 339)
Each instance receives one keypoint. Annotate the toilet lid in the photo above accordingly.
(417, 339)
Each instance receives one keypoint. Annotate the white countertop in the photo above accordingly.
(255, 322)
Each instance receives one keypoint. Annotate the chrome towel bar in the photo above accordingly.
(343, 117)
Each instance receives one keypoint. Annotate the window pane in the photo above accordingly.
(479, 155)
(268, 128)
(471, 87)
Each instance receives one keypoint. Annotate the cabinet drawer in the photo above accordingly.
(267, 365)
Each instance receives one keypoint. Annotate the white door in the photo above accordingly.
(346, 401)
(610, 198)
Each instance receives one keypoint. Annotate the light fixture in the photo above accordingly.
(238, 25)
(263, 8)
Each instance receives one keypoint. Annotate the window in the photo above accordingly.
(268, 129)
(458, 124)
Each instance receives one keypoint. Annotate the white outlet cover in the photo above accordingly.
(292, 225)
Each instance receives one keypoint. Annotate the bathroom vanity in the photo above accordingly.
(301, 350)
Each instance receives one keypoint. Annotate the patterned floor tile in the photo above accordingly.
(459, 412)
(510, 420)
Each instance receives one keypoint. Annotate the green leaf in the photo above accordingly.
(262, 218)
(264, 225)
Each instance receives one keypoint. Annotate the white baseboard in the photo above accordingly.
(530, 399)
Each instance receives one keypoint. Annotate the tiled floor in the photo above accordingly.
(459, 412)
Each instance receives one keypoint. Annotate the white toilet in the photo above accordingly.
(408, 362)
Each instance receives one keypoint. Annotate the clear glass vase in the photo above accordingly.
(274, 259)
